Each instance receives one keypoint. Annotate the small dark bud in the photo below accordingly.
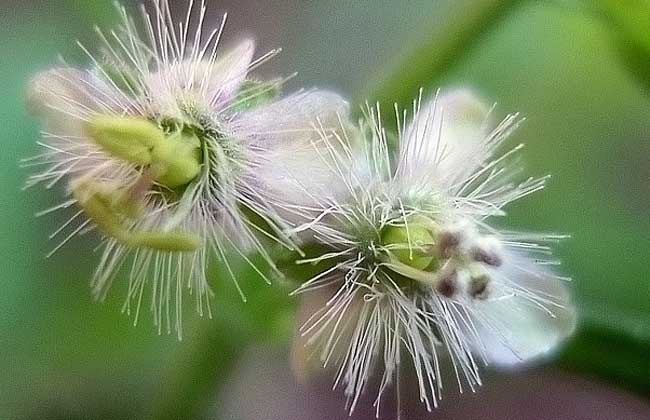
(448, 285)
(447, 243)
(486, 256)
(478, 286)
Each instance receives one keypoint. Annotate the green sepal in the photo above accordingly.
(98, 204)
(106, 207)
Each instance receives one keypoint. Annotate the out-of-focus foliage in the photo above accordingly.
(435, 51)
(629, 23)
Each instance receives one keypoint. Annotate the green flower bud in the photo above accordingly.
(397, 239)
(178, 159)
(98, 203)
(128, 138)
(253, 93)
(166, 241)
(106, 206)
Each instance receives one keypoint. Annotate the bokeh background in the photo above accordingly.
(574, 69)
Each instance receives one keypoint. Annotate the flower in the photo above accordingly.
(174, 154)
(414, 268)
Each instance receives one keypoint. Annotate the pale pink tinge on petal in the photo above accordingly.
(445, 141)
(294, 163)
(65, 96)
(206, 84)
(229, 71)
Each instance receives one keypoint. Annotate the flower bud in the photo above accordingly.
(408, 243)
(178, 159)
(166, 241)
(478, 286)
(129, 138)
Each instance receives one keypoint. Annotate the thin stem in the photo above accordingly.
(206, 358)
(433, 55)
(200, 366)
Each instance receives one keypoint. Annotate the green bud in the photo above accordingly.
(166, 241)
(105, 206)
(253, 93)
(128, 138)
(120, 76)
(178, 159)
(98, 203)
(397, 239)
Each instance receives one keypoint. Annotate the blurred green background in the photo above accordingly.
(564, 65)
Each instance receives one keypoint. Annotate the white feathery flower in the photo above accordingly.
(170, 150)
(415, 268)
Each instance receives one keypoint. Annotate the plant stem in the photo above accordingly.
(613, 345)
(434, 54)
(206, 358)
(200, 366)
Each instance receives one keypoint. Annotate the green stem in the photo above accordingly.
(207, 356)
(443, 46)
(199, 367)
(615, 346)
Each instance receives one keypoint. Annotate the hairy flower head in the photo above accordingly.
(173, 153)
(415, 268)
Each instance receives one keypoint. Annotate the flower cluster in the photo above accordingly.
(175, 154)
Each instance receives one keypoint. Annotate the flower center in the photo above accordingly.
(449, 259)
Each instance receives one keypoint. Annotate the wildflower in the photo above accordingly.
(174, 154)
(415, 269)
